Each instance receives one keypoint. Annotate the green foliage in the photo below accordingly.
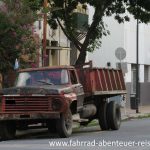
(118, 8)
(16, 37)
(34, 4)
(97, 35)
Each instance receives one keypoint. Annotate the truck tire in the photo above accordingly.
(114, 115)
(22, 126)
(51, 124)
(64, 124)
(8, 130)
(102, 115)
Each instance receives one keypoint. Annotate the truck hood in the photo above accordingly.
(43, 90)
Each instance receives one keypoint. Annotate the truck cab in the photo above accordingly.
(41, 95)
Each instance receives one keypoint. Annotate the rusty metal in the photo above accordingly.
(101, 81)
(28, 115)
(28, 103)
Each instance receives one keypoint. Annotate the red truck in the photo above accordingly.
(55, 96)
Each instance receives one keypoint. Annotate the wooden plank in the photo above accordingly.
(122, 79)
(105, 79)
(110, 79)
(113, 79)
(119, 79)
(99, 79)
(102, 79)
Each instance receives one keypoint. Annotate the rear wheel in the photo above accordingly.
(64, 125)
(102, 115)
(114, 115)
(8, 130)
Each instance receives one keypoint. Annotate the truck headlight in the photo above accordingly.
(56, 104)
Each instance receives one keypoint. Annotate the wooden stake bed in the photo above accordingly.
(102, 81)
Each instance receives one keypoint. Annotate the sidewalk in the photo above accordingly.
(129, 113)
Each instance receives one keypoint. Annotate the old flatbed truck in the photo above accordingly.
(52, 96)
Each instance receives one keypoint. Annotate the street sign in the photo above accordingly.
(120, 53)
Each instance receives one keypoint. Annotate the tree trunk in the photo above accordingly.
(82, 56)
(81, 59)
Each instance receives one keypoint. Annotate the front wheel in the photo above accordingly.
(114, 115)
(8, 130)
(64, 124)
(51, 124)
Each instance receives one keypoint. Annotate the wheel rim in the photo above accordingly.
(68, 122)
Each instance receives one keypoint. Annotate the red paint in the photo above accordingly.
(101, 79)
(3, 103)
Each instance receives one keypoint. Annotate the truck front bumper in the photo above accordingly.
(29, 115)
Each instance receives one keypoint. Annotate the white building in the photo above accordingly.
(124, 35)
(58, 46)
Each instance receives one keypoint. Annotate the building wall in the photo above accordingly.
(124, 35)
(106, 53)
(54, 35)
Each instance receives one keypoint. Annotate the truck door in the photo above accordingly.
(78, 88)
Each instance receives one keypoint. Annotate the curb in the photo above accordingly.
(135, 116)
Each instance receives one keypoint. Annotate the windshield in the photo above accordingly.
(49, 77)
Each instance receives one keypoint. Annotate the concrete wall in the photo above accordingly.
(128, 87)
(106, 53)
(145, 93)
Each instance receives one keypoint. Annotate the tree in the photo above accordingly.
(64, 17)
(16, 38)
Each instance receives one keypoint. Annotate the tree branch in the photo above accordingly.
(92, 27)
(71, 36)
(97, 17)
(75, 42)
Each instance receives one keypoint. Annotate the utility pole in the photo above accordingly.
(137, 62)
(44, 34)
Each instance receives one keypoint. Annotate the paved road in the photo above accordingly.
(134, 133)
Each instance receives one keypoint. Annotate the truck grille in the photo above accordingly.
(28, 103)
